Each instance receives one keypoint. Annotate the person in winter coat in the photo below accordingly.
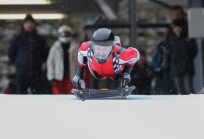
(142, 76)
(161, 64)
(183, 52)
(28, 51)
(61, 62)
(177, 12)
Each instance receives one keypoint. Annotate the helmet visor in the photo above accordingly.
(102, 52)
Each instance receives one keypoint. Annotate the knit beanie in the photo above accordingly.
(142, 52)
(28, 18)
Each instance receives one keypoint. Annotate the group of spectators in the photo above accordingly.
(28, 51)
(171, 68)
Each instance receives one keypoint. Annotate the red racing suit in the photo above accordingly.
(121, 60)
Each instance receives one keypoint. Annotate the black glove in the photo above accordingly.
(124, 79)
(75, 81)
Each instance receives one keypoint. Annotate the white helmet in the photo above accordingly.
(64, 33)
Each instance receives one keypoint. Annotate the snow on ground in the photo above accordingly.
(65, 117)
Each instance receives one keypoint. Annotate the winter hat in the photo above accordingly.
(142, 52)
(28, 18)
(64, 33)
(64, 28)
(179, 22)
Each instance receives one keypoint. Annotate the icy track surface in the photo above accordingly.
(137, 117)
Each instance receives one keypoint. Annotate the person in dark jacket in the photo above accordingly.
(141, 76)
(161, 63)
(27, 51)
(183, 52)
(177, 12)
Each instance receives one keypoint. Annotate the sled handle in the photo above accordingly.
(82, 84)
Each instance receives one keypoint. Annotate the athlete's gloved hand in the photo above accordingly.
(75, 81)
(124, 79)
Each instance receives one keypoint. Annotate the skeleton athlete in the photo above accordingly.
(106, 58)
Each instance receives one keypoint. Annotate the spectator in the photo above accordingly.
(183, 52)
(141, 76)
(11, 88)
(161, 66)
(27, 51)
(61, 63)
(177, 12)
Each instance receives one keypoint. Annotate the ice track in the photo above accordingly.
(137, 117)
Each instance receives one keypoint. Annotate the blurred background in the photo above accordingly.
(139, 23)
